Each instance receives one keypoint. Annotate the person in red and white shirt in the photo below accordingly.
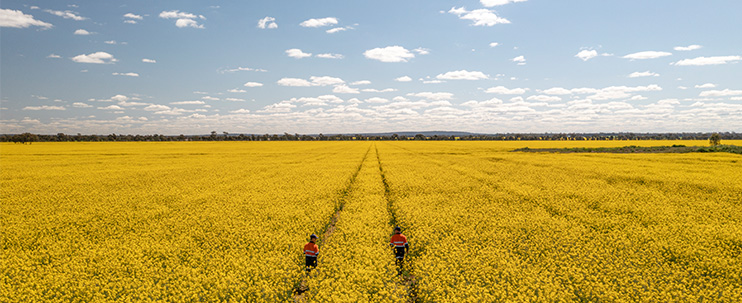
(311, 251)
(400, 245)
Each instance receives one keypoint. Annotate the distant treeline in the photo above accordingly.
(214, 136)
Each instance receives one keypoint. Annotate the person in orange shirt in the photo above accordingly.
(311, 251)
(401, 247)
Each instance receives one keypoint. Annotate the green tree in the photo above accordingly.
(715, 139)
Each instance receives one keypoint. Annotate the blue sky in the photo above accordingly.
(190, 67)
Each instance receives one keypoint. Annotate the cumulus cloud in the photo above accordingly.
(66, 15)
(183, 19)
(133, 16)
(145, 60)
(188, 103)
(81, 105)
(491, 3)
(521, 60)
(647, 55)
(237, 90)
(293, 82)
(235, 99)
(344, 89)
(126, 74)
(462, 75)
(297, 53)
(44, 107)
(403, 79)
(721, 93)
(325, 80)
(17, 19)
(82, 32)
(479, 17)
(97, 58)
(376, 100)
(130, 22)
(389, 54)
(493, 44)
(557, 91)
(240, 111)
(319, 22)
(210, 98)
(361, 82)
(156, 107)
(688, 48)
(112, 107)
(267, 23)
(544, 98)
(432, 96)
(330, 56)
(643, 74)
(587, 54)
(373, 90)
(700, 61)
(706, 85)
(54, 56)
(505, 91)
(239, 69)
(338, 29)
(253, 84)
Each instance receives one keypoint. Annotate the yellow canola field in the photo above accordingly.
(490, 226)
(226, 221)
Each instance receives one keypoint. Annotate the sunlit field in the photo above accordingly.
(209, 221)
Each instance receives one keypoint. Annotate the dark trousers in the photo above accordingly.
(311, 263)
(399, 255)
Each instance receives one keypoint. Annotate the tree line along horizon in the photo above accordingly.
(225, 136)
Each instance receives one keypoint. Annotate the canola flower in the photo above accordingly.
(225, 221)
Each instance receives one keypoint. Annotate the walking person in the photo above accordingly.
(401, 247)
(311, 251)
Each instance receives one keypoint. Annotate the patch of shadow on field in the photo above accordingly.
(633, 149)
(302, 287)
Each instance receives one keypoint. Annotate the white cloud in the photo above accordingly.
(112, 107)
(372, 90)
(66, 15)
(188, 23)
(188, 103)
(34, 7)
(557, 91)
(297, 53)
(130, 22)
(421, 51)
(253, 84)
(240, 111)
(344, 89)
(325, 80)
(700, 61)
(330, 56)
(133, 16)
(281, 107)
(403, 79)
(239, 69)
(319, 22)
(491, 3)
(157, 107)
(119, 98)
(682, 87)
(267, 22)
(145, 60)
(479, 17)
(362, 82)
(643, 74)
(236, 90)
(432, 81)
(17, 19)
(44, 107)
(587, 54)
(112, 42)
(521, 60)
(647, 55)
(544, 98)
(462, 75)
(126, 74)
(432, 96)
(505, 91)
(81, 105)
(493, 44)
(706, 85)
(293, 82)
(721, 93)
(82, 32)
(54, 56)
(235, 99)
(688, 48)
(389, 54)
(210, 98)
(338, 29)
(376, 100)
(97, 58)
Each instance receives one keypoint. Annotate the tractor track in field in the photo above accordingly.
(408, 279)
(301, 288)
